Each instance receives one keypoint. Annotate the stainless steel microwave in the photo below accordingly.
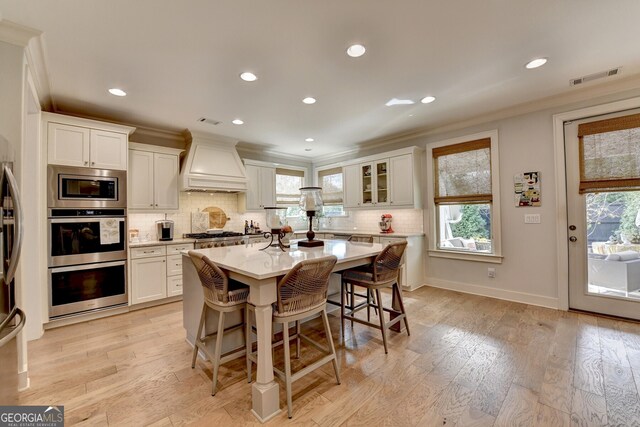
(76, 187)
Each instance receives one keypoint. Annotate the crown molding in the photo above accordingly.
(36, 56)
(143, 133)
(16, 34)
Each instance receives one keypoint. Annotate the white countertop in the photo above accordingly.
(250, 261)
(362, 233)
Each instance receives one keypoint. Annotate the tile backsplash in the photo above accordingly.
(404, 220)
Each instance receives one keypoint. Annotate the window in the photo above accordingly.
(464, 196)
(288, 183)
(332, 191)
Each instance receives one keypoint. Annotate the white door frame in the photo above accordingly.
(561, 185)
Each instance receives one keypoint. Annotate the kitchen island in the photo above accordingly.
(261, 271)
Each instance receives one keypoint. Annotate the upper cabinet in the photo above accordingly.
(72, 141)
(388, 180)
(153, 177)
(261, 190)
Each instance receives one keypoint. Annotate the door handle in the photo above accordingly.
(16, 330)
(573, 239)
(17, 214)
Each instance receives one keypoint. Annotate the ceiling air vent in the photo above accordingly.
(209, 121)
(595, 76)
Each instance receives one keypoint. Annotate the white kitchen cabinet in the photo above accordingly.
(351, 186)
(156, 272)
(78, 142)
(411, 270)
(148, 279)
(401, 180)
(153, 178)
(374, 185)
(261, 189)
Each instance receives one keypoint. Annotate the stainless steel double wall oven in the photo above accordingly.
(87, 239)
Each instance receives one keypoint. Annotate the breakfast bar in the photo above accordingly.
(260, 270)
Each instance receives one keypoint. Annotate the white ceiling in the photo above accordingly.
(180, 60)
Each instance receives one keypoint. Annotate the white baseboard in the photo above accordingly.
(486, 291)
(23, 380)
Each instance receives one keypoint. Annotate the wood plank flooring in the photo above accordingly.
(470, 361)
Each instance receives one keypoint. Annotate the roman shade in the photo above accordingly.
(332, 188)
(610, 154)
(288, 183)
(463, 172)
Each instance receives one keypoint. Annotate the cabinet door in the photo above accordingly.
(108, 150)
(401, 180)
(253, 188)
(367, 184)
(267, 187)
(174, 286)
(68, 145)
(140, 183)
(165, 181)
(351, 186)
(381, 183)
(148, 279)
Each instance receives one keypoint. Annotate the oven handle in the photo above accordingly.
(86, 266)
(84, 219)
(17, 213)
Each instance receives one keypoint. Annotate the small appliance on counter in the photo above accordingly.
(165, 229)
(385, 223)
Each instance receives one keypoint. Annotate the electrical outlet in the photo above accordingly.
(532, 218)
(491, 272)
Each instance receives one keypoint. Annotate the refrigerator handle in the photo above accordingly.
(16, 330)
(17, 209)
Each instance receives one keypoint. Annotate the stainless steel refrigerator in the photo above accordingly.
(12, 319)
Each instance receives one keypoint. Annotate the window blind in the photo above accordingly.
(332, 186)
(610, 154)
(288, 183)
(463, 172)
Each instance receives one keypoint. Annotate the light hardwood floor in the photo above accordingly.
(470, 361)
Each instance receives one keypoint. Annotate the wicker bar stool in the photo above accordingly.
(383, 273)
(222, 295)
(302, 292)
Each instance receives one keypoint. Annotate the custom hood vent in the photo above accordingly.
(212, 164)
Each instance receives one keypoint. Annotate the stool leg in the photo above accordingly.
(218, 351)
(198, 335)
(287, 366)
(396, 288)
(327, 331)
(343, 290)
(248, 340)
(368, 305)
(352, 300)
(297, 339)
(383, 328)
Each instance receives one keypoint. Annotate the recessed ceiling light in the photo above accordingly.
(428, 99)
(237, 122)
(309, 100)
(248, 77)
(396, 101)
(356, 50)
(538, 62)
(117, 92)
(307, 149)
(309, 139)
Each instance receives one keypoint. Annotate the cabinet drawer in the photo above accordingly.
(176, 249)
(174, 286)
(148, 251)
(174, 265)
(388, 240)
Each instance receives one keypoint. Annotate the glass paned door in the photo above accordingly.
(604, 234)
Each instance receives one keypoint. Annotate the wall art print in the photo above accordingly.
(527, 189)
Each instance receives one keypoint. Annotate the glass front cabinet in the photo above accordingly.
(374, 183)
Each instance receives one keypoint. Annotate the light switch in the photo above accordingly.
(532, 218)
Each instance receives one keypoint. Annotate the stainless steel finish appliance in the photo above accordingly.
(12, 319)
(87, 260)
(73, 187)
(75, 236)
(226, 238)
(164, 229)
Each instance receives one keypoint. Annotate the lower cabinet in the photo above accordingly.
(411, 271)
(156, 272)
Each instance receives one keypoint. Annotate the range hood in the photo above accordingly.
(212, 164)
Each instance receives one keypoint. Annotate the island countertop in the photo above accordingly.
(251, 261)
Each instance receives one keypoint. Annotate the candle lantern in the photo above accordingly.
(276, 218)
(311, 201)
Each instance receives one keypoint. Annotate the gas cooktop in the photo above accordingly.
(201, 236)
